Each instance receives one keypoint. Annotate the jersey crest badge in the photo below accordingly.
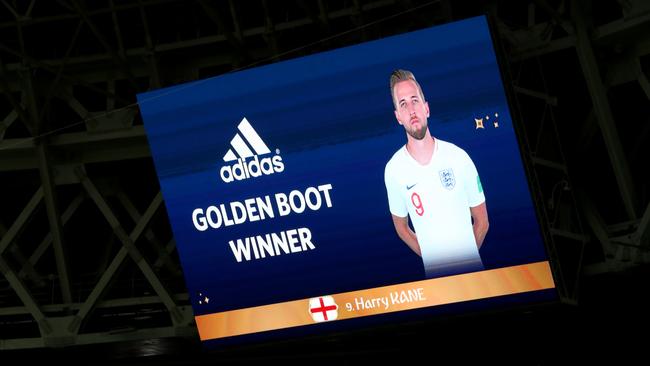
(447, 178)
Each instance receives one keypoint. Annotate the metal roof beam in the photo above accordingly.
(80, 147)
(119, 60)
(54, 219)
(604, 114)
(45, 65)
(48, 188)
(106, 304)
(127, 248)
(26, 297)
(149, 235)
(7, 122)
(601, 35)
(70, 16)
(218, 20)
(45, 243)
(21, 220)
(163, 256)
(19, 108)
(643, 231)
(154, 71)
(107, 337)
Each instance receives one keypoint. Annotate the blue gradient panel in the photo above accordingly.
(330, 117)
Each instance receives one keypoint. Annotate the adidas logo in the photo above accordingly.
(241, 150)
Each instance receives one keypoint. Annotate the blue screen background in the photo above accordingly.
(331, 116)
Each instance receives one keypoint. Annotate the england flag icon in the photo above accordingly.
(323, 309)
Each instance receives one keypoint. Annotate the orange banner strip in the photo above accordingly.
(380, 300)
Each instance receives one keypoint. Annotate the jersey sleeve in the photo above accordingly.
(472, 182)
(396, 203)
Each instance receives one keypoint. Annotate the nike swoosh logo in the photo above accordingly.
(411, 186)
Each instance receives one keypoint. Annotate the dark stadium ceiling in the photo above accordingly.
(86, 251)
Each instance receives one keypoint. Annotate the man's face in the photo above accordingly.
(412, 111)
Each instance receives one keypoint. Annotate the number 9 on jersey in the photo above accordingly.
(417, 203)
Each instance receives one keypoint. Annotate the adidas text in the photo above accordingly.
(243, 169)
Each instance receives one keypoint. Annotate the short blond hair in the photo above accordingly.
(402, 75)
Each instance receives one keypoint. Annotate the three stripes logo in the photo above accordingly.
(246, 144)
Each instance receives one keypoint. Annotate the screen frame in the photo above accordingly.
(375, 321)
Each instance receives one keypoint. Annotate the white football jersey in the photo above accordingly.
(437, 197)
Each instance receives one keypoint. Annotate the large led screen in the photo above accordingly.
(367, 184)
